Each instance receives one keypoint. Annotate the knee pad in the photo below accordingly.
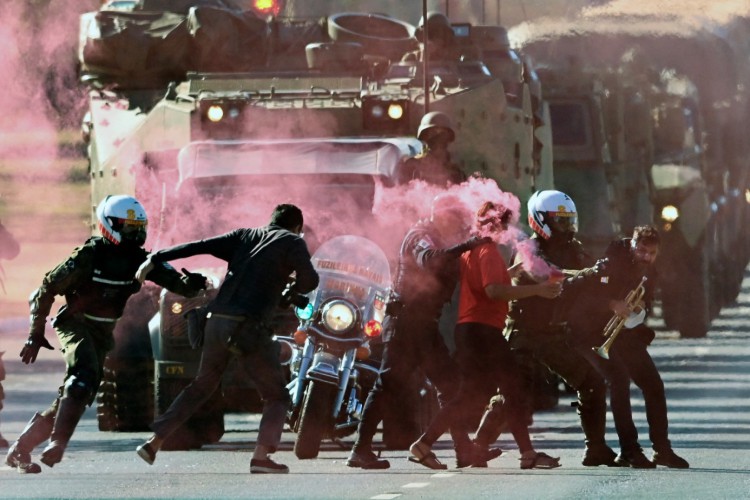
(78, 389)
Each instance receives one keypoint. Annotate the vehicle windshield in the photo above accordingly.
(354, 268)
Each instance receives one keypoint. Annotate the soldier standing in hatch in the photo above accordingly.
(96, 280)
(434, 164)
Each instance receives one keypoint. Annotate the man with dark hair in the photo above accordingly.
(482, 353)
(595, 294)
(261, 261)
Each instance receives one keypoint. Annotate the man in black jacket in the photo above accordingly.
(598, 293)
(261, 261)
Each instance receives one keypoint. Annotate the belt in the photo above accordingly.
(100, 319)
(225, 316)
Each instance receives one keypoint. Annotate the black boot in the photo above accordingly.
(36, 432)
(597, 452)
(68, 415)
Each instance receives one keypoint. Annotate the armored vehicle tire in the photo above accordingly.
(315, 419)
(205, 426)
(379, 35)
(125, 397)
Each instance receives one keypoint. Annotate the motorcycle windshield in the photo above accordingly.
(354, 268)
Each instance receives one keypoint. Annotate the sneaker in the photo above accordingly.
(147, 453)
(670, 459)
(636, 460)
(267, 466)
(599, 455)
(21, 461)
(366, 460)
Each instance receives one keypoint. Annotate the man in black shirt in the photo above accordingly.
(261, 261)
(599, 292)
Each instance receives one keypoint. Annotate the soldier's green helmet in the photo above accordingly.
(433, 122)
(438, 27)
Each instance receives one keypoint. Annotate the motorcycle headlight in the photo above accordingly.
(338, 316)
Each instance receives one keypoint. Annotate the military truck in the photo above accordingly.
(220, 107)
(641, 135)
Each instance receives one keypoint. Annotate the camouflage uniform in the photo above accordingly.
(431, 169)
(96, 280)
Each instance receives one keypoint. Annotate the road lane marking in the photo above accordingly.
(386, 496)
(444, 474)
(415, 485)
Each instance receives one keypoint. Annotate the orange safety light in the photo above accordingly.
(363, 353)
(373, 328)
(299, 337)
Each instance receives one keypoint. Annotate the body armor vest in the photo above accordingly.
(111, 283)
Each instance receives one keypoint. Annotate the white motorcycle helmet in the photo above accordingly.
(552, 212)
(122, 219)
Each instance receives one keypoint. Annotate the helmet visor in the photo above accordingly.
(564, 223)
(133, 230)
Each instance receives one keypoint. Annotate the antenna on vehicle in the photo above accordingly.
(425, 57)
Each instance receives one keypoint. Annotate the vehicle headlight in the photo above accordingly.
(670, 213)
(338, 316)
(215, 113)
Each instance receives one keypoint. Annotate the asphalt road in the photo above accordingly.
(708, 390)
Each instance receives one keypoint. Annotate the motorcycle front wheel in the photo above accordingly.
(315, 419)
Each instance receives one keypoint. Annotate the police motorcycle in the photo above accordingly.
(331, 369)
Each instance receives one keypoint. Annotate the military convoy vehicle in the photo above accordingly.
(210, 115)
(643, 133)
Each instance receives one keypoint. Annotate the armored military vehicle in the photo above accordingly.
(198, 107)
(641, 134)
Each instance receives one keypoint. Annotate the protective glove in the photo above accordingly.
(31, 348)
(195, 281)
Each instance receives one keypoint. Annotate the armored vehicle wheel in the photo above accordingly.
(315, 419)
(204, 427)
(124, 398)
(379, 35)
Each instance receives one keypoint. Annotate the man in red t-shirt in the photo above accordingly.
(483, 354)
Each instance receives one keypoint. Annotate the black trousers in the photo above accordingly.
(416, 344)
(629, 360)
(259, 357)
(487, 363)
